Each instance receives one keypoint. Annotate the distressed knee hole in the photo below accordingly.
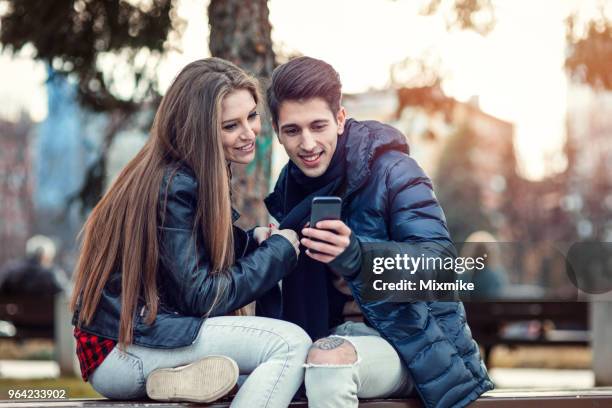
(332, 351)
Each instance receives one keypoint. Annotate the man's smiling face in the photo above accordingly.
(308, 130)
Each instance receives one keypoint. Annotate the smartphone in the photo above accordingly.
(325, 208)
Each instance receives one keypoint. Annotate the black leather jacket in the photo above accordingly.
(186, 289)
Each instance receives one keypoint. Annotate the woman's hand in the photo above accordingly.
(292, 236)
(261, 234)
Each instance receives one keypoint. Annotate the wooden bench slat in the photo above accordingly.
(597, 397)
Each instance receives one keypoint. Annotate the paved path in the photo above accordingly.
(28, 369)
(533, 378)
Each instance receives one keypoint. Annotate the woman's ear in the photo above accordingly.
(341, 119)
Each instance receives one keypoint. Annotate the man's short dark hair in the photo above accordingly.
(304, 78)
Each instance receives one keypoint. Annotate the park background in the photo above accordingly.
(507, 105)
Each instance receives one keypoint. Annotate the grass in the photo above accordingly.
(35, 349)
(39, 350)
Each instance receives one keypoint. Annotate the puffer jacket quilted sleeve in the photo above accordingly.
(432, 338)
(414, 212)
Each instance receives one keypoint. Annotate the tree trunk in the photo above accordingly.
(240, 33)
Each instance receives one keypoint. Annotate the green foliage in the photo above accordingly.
(457, 190)
(87, 39)
(70, 35)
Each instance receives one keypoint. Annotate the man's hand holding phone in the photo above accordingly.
(332, 238)
(326, 236)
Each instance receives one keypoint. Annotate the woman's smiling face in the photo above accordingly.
(240, 125)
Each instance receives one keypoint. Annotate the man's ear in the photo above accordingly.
(341, 119)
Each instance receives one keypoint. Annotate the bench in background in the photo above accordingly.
(487, 320)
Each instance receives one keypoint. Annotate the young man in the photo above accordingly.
(397, 349)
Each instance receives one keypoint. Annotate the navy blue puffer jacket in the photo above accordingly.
(388, 197)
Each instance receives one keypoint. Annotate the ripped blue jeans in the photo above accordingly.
(271, 352)
(377, 373)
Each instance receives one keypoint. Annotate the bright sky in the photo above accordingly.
(517, 70)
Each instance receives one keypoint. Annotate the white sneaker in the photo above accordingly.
(205, 380)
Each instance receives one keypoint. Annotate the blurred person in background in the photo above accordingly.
(163, 275)
(36, 273)
(490, 282)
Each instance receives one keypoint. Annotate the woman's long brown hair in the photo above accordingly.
(121, 232)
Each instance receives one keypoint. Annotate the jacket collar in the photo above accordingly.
(235, 215)
(366, 141)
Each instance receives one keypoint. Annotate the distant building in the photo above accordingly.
(372, 105)
(589, 154)
(493, 157)
(575, 204)
(428, 118)
(16, 212)
(69, 140)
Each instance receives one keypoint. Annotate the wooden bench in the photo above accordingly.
(33, 316)
(487, 319)
(597, 397)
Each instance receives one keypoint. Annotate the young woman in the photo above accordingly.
(163, 274)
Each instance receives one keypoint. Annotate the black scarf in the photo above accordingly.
(309, 299)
